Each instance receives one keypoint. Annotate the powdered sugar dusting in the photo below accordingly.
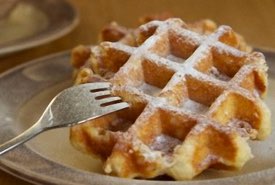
(217, 74)
(148, 154)
(149, 89)
(164, 143)
(193, 106)
(175, 59)
(230, 51)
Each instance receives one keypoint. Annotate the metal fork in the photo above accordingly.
(74, 105)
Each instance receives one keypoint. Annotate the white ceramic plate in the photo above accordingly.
(30, 23)
(49, 158)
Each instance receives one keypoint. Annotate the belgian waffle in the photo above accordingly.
(196, 98)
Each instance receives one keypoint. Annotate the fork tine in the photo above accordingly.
(115, 107)
(98, 85)
(109, 100)
(102, 93)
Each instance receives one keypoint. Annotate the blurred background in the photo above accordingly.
(253, 19)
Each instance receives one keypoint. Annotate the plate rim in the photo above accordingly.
(43, 38)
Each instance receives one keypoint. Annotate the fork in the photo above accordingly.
(72, 106)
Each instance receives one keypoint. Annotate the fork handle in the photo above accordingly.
(22, 138)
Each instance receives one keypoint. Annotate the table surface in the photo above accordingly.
(254, 19)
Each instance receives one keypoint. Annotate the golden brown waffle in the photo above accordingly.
(114, 32)
(195, 101)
